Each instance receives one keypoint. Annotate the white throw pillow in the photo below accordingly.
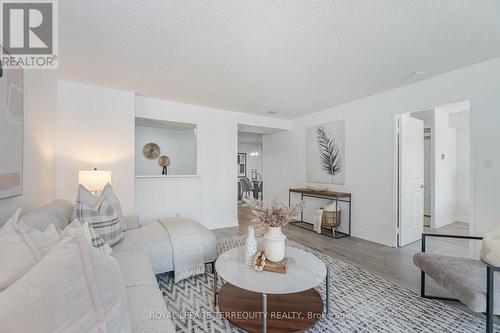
(51, 231)
(86, 197)
(490, 247)
(73, 289)
(21, 247)
(113, 199)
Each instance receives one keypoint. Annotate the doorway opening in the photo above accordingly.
(249, 164)
(434, 174)
(250, 173)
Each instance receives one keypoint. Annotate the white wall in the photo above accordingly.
(210, 198)
(427, 116)
(370, 148)
(39, 142)
(460, 121)
(95, 130)
(178, 144)
(445, 179)
(463, 175)
(253, 162)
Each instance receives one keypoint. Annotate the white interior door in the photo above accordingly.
(411, 182)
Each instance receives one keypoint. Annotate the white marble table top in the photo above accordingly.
(304, 271)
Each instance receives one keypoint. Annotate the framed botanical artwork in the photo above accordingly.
(326, 153)
(11, 131)
(242, 165)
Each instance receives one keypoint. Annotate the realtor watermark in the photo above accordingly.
(244, 315)
(29, 34)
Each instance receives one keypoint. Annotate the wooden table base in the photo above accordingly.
(286, 313)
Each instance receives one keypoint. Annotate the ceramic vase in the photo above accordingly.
(250, 245)
(274, 244)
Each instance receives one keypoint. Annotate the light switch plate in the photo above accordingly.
(488, 163)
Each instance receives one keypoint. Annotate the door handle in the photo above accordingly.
(422, 186)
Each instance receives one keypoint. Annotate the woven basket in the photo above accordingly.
(331, 220)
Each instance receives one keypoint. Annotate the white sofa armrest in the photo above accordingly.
(132, 221)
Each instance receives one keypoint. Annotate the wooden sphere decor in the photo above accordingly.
(151, 151)
(163, 161)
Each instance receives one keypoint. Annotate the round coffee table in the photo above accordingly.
(256, 301)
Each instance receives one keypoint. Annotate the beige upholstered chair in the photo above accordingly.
(470, 280)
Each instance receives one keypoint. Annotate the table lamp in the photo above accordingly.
(94, 180)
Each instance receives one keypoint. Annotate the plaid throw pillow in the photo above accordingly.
(95, 240)
(103, 219)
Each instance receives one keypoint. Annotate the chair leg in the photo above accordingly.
(423, 295)
(422, 284)
(489, 299)
(212, 267)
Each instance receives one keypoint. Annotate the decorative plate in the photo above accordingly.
(151, 151)
(163, 161)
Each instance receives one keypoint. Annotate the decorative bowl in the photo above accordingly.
(317, 188)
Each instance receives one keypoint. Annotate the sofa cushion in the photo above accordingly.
(136, 268)
(153, 240)
(148, 311)
(464, 278)
(74, 288)
(131, 222)
(58, 212)
(21, 247)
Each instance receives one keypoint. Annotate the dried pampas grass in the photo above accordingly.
(275, 214)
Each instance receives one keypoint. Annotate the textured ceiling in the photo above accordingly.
(292, 57)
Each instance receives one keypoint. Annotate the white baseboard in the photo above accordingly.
(374, 237)
(463, 218)
(441, 222)
(220, 224)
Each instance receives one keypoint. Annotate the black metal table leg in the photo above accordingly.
(214, 271)
(350, 201)
(302, 211)
(327, 290)
(490, 278)
(264, 313)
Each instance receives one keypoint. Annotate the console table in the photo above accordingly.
(328, 195)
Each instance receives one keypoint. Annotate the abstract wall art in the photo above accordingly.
(11, 132)
(326, 153)
(242, 165)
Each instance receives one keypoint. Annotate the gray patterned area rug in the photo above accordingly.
(360, 302)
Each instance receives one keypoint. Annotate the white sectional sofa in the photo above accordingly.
(144, 252)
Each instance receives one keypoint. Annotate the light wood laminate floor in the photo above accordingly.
(394, 264)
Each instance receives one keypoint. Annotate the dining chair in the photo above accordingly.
(260, 191)
(246, 186)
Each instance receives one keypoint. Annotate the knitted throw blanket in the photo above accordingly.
(187, 247)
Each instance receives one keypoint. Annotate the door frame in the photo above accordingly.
(396, 173)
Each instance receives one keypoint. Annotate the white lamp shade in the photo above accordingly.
(94, 180)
